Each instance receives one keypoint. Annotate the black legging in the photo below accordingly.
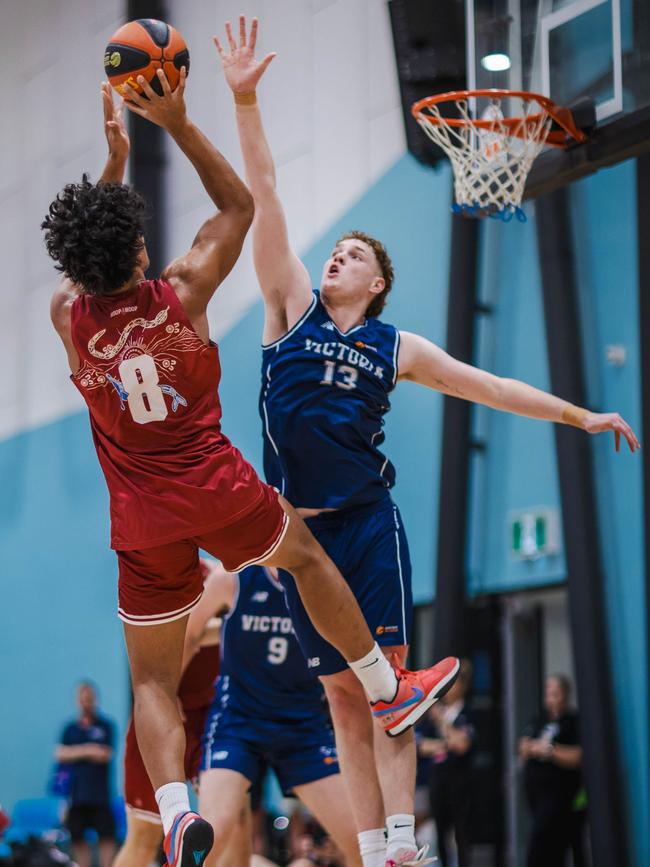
(451, 807)
(552, 831)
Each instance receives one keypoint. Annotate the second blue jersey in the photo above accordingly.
(264, 675)
(324, 397)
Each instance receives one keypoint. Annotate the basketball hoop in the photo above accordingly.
(492, 155)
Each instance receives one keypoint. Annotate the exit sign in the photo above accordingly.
(534, 533)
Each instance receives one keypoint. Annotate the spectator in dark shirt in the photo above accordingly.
(450, 774)
(551, 755)
(87, 747)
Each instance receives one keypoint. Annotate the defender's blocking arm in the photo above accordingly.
(423, 362)
(283, 278)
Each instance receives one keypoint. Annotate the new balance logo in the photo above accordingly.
(260, 596)
(328, 325)
(314, 662)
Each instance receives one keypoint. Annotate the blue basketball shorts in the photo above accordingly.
(298, 755)
(368, 545)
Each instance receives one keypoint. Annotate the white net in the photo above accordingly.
(490, 162)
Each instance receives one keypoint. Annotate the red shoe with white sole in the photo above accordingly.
(416, 692)
(188, 841)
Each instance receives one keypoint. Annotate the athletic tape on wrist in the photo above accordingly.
(574, 415)
(246, 98)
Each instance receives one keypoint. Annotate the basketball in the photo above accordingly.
(141, 48)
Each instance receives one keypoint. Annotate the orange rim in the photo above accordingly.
(516, 125)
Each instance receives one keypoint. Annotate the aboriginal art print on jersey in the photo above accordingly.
(155, 358)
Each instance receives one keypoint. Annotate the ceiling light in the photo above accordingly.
(495, 62)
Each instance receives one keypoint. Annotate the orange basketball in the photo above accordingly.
(140, 48)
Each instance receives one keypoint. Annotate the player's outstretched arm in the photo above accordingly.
(116, 137)
(118, 153)
(423, 362)
(196, 275)
(282, 276)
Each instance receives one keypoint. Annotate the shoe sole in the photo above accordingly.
(437, 692)
(197, 839)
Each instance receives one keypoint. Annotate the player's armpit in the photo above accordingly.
(60, 314)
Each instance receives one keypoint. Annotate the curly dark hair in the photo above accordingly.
(95, 234)
(385, 265)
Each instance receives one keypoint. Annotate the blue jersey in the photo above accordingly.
(264, 674)
(323, 400)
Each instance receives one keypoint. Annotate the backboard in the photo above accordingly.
(566, 50)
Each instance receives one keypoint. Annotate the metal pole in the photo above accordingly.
(449, 632)
(601, 769)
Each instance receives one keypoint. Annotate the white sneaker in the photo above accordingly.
(412, 859)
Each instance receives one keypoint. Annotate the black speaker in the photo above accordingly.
(429, 41)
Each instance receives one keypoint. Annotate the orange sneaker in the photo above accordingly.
(416, 692)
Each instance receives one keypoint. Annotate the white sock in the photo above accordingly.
(172, 799)
(400, 829)
(376, 675)
(372, 846)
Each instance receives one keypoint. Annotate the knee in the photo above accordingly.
(147, 688)
(347, 700)
(223, 823)
(306, 557)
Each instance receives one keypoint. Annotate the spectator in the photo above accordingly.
(87, 746)
(551, 755)
(450, 784)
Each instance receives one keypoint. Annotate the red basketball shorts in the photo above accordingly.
(138, 791)
(161, 584)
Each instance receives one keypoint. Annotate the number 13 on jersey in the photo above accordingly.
(341, 375)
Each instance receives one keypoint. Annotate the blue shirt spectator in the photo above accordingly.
(86, 747)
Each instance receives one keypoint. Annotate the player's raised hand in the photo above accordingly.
(114, 126)
(599, 422)
(241, 69)
(167, 109)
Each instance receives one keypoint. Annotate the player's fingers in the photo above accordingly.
(147, 89)
(164, 82)
(269, 57)
(182, 81)
(107, 101)
(219, 47)
(136, 109)
(231, 41)
(630, 436)
(131, 95)
(242, 31)
(252, 39)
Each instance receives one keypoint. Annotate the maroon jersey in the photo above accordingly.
(151, 388)
(196, 689)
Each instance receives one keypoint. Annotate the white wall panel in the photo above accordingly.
(52, 53)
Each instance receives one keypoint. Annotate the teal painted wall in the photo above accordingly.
(408, 209)
(58, 621)
(517, 469)
(605, 240)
